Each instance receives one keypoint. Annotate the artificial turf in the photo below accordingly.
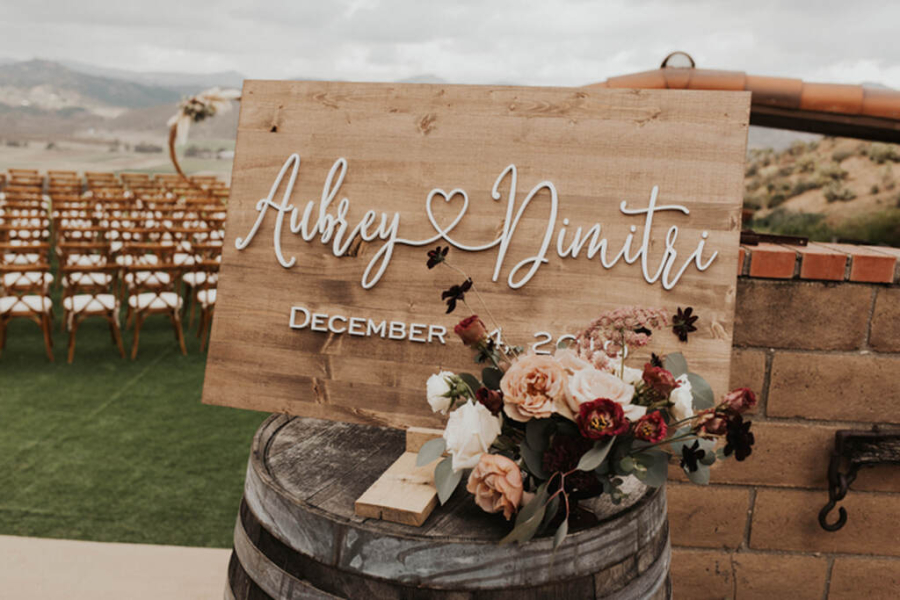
(110, 449)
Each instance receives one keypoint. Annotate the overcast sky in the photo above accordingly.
(548, 42)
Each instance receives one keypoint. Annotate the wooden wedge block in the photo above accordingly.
(417, 436)
(403, 494)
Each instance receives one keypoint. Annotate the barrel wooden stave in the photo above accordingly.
(297, 517)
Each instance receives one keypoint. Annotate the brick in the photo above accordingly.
(802, 315)
(701, 575)
(867, 264)
(708, 575)
(884, 335)
(852, 387)
(869, 578)
(820, 262)
(777, 576)
(772, 261)
(793, 455)
(707, 516)
(788, 520)
(748, 369)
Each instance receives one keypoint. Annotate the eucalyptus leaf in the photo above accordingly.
(700, 476)
(539, 500)
(593, 458)
(525, 530)
(537, 433)
(471, 381)
(534, 460)
(446, 479)
(431, 450)
(708, 459)
(560, 534)
(626, 466)
(550, 513)
(491, 377)
(656, 463)
(702, 392)
(676, 364)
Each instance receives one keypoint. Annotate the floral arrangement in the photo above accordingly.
(542, 432)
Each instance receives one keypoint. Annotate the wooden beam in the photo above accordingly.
(851, 126)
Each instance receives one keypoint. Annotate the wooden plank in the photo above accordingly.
(403, 494)
(599, 148)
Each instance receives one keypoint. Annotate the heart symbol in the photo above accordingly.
(447, 196)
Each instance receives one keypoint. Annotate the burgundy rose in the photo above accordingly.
(712, 423)
(492, 399)
(650, 428)
(601, 418)
(740, 400)
(471, 330)
(659, 379)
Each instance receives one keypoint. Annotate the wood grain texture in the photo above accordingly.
(403, 494)
(598, 147)
(297, 525)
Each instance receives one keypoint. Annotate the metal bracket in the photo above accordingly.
(855, 449)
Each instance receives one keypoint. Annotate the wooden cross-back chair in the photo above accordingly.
(24, 254)
(206, 297)
(17, 234)
(153, 287)
(92, 233)
(195, 279)
(27, 299)
(90, 291)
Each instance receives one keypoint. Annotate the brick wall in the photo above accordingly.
(817, 335)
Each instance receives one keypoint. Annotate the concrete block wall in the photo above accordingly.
(821, 345)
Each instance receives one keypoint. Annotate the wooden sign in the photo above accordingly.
(559, 203)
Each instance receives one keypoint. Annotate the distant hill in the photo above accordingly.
(184, 83)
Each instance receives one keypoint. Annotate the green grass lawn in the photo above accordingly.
(109, 449)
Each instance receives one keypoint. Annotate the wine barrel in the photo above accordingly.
(297, 535)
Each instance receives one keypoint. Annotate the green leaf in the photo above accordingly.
(431, 450)
(593, 458)
(626, 466)
(540, 498)
(562, 344)
(549, 513)
(471, 381)
(446, 479)
(534, 461)
(676, 364)
(656, 463)
(537, 433)
(526, 530)
(700, 476)
(560, 534)
(491, 377)
(702, 392)
(708, 459)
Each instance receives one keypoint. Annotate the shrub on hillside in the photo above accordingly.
(806, 163)
(882, 228)
(837, 193)
(840, 156)
(832, 171)
(881, 153)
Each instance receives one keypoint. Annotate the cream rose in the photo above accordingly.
(589, 384)
(683, 399)
(437, 389)
(470, 431)
(533, 387)
(570, 361)
(629, 375)
(496, 483)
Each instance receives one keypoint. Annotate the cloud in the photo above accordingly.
(558, 42)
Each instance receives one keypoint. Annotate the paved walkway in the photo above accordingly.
(35, 568)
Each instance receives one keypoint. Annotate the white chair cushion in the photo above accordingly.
(27, 279)
(87, 260)
(15, 305)
(20, 259)
(206, 297)
(86, 303)
(155, 301)
(88, 279)
(183, 258)
(198, 278)
(129, 259)
(147, 278)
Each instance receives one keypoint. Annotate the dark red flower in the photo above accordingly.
(650, 428)
(712, 423)
(492, 399)
(562, 456)
(739, 440)
(659, 379)
(471, 330)
(601, 418)
(437, 256)
(683, 323)
(456, 293)
(740, 400)
(691, 455)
